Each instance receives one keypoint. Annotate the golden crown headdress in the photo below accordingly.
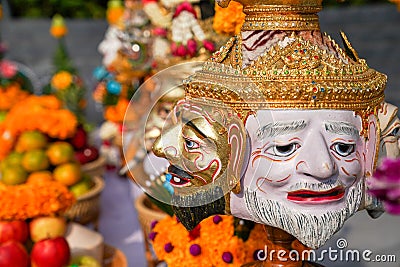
(298, 68)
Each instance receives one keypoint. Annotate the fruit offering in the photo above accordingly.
(39, 242)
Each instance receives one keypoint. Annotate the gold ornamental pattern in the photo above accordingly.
(300, 75)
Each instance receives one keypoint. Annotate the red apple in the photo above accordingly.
(13, 230)
(13, 254)
(79, 140)
(47, 227)
(53, 252)
(88, 154)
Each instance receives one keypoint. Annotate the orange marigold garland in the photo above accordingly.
(11, 95)
(42, 113)
(211, 243)
(34, 198)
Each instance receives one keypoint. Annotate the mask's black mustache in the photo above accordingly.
(179, 172)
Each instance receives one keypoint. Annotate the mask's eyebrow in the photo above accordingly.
(280, 128)
(191, 124)
(342, 128)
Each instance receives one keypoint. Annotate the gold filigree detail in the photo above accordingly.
(283, 15)
(300, 75)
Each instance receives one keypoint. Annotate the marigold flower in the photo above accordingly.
(215, 245)
(228, 20)
(115, 11)
(11, 95)
(43, 113)
(61, 80)
(34, 198)
(58, 28)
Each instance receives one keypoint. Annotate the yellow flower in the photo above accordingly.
(61, 80)
(58, 28)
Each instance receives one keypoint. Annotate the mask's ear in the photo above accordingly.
(237, 142)
(371, 204)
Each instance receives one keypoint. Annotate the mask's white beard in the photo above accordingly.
(310, 229)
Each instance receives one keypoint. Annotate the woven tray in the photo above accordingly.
(114, 257)
(95, 168)
(87, 207)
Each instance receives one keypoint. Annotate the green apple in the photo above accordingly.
(85, 261)
(81, 187)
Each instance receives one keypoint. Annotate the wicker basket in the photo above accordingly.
(147, 214)
(87, 207)
(95, 168)
(113, 257)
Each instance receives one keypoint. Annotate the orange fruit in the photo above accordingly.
(35, 160)
(60, 152)
(13, 175)
(12, 159)
(40, 176)
(68, 173)
(30, 140)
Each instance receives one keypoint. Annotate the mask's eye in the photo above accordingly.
(343, 149)
(395, 132)
(283, 151)
(190, 144)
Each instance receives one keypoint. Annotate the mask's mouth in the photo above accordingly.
(317, 197)
(179, 178)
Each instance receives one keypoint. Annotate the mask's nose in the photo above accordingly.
(166, 145)
(308, 164)
(158, 148)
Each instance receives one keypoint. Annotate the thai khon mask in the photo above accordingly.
(310, 114)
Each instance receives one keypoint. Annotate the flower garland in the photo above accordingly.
(42, 113)
(212, 243)
(36, 197)
(11, 95)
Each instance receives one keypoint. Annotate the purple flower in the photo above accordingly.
(385, 185)
(168, 247)
(195, 250)
(152, 235)
(153, 224)
(217, 219)
(227, 257)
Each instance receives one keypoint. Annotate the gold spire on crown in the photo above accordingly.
(299, 70)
